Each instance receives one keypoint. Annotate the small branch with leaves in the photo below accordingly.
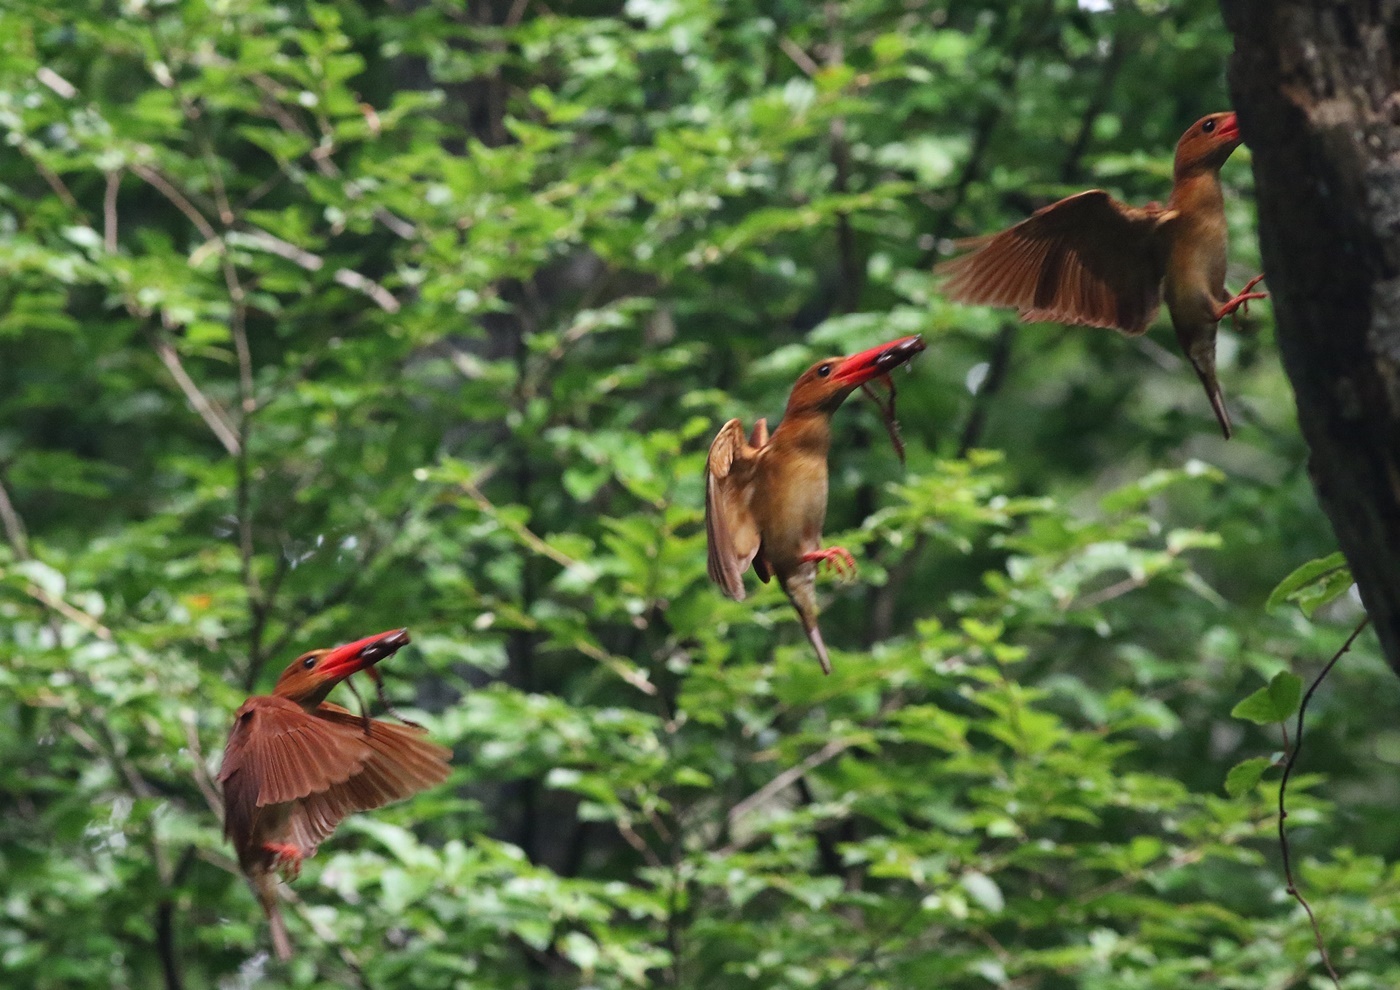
(1284, 698)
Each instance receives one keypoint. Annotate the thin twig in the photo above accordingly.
(273, 94)
(515, 14)
(14, 525)
(1116, 590)
(312, 262)
(18, 538)
(247, 547)
(382, 297)
(109, 211)
(177, 199)
(848, 292)
(55, 183)
(166, 941)
(636, 678)
(1283, 793)
(521, 531)
(273, 244)
(202, 779)
(635, 840)
(55, 82)
(788, 777)
(214, 417)
(800, 58)
(109, 752)
(673, 928)
(72, 613)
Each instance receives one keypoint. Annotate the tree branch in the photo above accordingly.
(787, 778)
(1283, 795)
(214, 417)
(1315, 86)
(109, 211)
(15, 532)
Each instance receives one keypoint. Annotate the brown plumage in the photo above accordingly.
(1093, 261)
(295, 765)
(765, 497)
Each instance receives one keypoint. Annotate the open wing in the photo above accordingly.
(730, 524)
(278, 752)
(1087, 260)
(401, 761)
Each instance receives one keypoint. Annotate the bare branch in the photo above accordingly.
(55, 82)
(178, 199)
(521, 531)
(787, 778)
(1283, 794)
(18, 539)
(202, 779)
(275, 245)
(215, 418)
(394, 223)
(166, 944)
(55, 183)
(800, 58)
(515, 14)
(109, 212)
(314, 263)
(72, 613)
(354, 280)
(620, 667)
(14, 525)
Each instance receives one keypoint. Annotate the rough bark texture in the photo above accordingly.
(1317, 88)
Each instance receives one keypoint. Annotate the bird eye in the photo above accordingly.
(309, 662)
(1208, 126)
(824, 370)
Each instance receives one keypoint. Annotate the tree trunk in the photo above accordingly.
(1317, 88)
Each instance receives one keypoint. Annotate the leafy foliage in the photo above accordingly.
(324, 318)
(1276, 703)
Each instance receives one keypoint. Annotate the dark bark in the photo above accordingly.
(1317, 88)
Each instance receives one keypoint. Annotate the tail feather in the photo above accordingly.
(801, 591)
(1205, 371)
(265, 886)
(815, 635)
(1199, 346)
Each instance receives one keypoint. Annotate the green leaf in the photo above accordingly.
(984, 890)
(1313, 584)
(1245, 774)
(1275, 703)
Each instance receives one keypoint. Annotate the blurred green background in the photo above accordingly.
(318, 319)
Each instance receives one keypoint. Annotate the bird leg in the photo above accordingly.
(1238, 305)
(286, 858)
(839, 558)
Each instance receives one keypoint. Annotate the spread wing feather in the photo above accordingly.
(1087, 260)
(730, 525)
(288, 752)
(401, 761)
(278, 752)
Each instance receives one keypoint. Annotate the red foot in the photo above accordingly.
(839, 558)
(285, 857)
(1239, 305)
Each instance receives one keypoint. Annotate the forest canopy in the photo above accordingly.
(324, 318)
